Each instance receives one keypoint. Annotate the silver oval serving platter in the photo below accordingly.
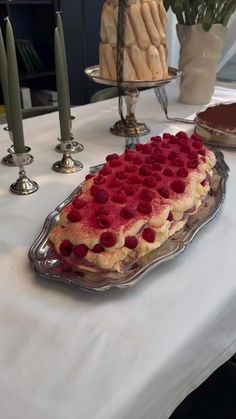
(47, 264)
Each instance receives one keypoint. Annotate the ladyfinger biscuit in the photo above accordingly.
(110, 61)
(157, 21)
(109, 24)
(163, 15)
(129, 38)
(138, 26)
(114, 3)
(128, 69)
(162, 53)
(150, 25)
(154, 63)
(103, 69)
(103, 34)
(139, 63)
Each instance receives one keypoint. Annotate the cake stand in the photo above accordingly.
(130, 127)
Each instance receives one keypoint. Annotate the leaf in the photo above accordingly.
(207, 21)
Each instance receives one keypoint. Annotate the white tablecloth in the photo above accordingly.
(134, 353)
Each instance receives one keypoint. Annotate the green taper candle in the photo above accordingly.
(14, 92)
(4, 79)
(63, 104)
(63, 48)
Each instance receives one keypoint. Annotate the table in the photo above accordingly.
(123, 354)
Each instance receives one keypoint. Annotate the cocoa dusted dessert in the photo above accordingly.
(134, 204)
(220, 117)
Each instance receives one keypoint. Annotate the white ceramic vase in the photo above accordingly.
(200, 52)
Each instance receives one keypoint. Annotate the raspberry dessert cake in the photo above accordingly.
(134, 204)
(145, 45)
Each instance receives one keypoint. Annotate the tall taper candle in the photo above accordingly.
(63, 104)
(4, 79)
(14, 92)
(63, 48)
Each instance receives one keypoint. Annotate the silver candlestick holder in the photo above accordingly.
(23, 185)
(67, 164)
(76, 147)
(8, 160)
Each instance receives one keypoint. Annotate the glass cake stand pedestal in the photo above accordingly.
(130, 127)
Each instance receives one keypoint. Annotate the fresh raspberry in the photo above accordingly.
(178, 186)
(138, 160)
(156, 139)
(131, 242)
(172, 155)
(128, 189)
(135, 179)
(79, 203)
(168, 172)
(185, 149)
(121, 175)
(150, 182)
(195, 137)
(173, 140)
(147, 195)
(113, 156)
(166, 145)
(99, 180)
(182, 134)
(108, 239)
(98, 248)
(139, 147)
(160, 158)
(149, 235)
(170, 217)
(100, 195)
(202, 152)
(146, 148)
(74, 215)
(144, 207)
(182, 172)
(103, 221)
(66, 248)
(114, 183)
(89, 176)
(166, 136)
(144, 170)
(106, 170)
(129, 156)
(131, 168)
(102, 211)
(157, 176)
(115, 163)
(197, 145)
(119, 197)
(178, 162)
(164, 191)
(80, 250)
(152, 158)
(156, 167)
(193, 155)
(127, 212)
(193, 164)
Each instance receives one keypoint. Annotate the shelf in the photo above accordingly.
(27, 76)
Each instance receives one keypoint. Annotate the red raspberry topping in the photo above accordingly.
(182, 172)
(113, 156)
(102, 211)
(144, 207)
(131, 242)
(164, 191)
(145, 148)
(150, 182)
(100, 195)
(156, 139)
(172, 155)
(89, 176)
(66, 248)
(170, 217)
(138, 160)
(178, 162)
(119, 197)
(195, 137)
(202, 152)
(182, 134)
(193, 164)
(156, 167)
(166, 145)
(157, 176)
(98, 248)
(114, 183)
(147, 195)
(173, 140)
(74, 215)
(193, 155)
(197, 145)
(115, 163)
(144, 170)
(204, 182)
(99, 180)
(103, 221)
(168, 172)
(166, 135)
(149, 235)
(185, 149)
(108, 239)
(80, 250)
(121, 175)
(135, 179)
(129, 156)
(160, 158)
(138, 147)
(131, 168)
(127, 212)
(178, 186)
(129, 190)
(106, 170)
(79, 203)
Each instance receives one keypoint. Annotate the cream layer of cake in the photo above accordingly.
(135, 203)
(145, 45)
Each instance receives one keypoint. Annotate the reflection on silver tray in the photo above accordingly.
(47, 264)
(93, 74)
